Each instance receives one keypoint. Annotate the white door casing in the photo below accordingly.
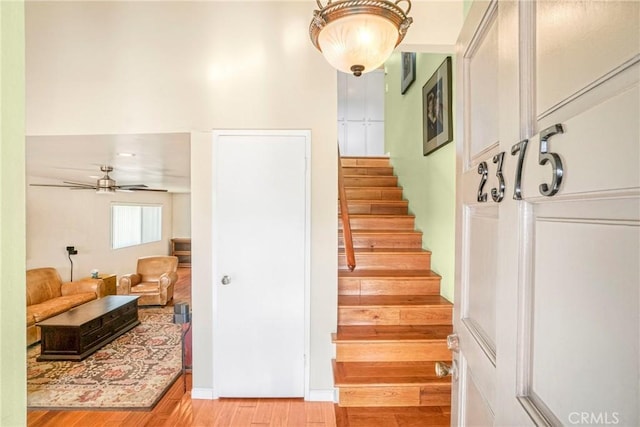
(261, 244)
(559, 270)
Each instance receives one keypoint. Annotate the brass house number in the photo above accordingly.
(544, 156)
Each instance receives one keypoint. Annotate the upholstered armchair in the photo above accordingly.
(153, 280)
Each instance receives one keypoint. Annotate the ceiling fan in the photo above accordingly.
(104, 185)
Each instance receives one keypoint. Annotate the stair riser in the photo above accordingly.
(348, 286)
(370, 181)
(420, 315)
(436, 395)
(389, 261)
(390, 193)
(377, 208)
(371, 161)
(368, 171)
(372, 351)
(386, 240)
(393, 223)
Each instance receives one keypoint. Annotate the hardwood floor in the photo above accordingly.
(178, 409)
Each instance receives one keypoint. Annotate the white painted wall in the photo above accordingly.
(58, 217)
(435, 28)
(124, 67)
(181, 217)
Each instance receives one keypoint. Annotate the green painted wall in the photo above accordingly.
(428, 182)
(13, 395)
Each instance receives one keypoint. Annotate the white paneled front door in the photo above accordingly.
(548, 229)
(260, 262)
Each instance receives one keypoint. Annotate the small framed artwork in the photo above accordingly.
(437, 123)
(408, 70)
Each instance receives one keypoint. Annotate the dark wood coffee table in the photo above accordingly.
(81, 331)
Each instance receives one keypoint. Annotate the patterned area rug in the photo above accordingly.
(131, 372)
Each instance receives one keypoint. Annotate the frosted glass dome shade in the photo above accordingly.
(358, 40)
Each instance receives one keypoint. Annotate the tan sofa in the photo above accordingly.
(153, 280)
(48, 296)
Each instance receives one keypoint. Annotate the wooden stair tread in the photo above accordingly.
(378, 202)
(367, 181)
(392, 322)
(386, 374)
(383, 232)
(382, 216)
(378, 187)
(392, 333)
(390, 300)
(364, 157)
(367, 169)
(387, 274)
(386, 250)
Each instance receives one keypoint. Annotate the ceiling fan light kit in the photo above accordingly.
(357, 36)
(104, 185)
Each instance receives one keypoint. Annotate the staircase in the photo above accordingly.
(392, 322)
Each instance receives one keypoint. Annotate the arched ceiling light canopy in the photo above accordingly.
(357, 36)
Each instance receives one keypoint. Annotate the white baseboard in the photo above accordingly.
(329, 395)
(202, 393)
(322, 395)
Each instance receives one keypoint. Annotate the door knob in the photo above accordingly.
(225, 280)
(443, 370)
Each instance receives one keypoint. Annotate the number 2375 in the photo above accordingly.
(544, 156)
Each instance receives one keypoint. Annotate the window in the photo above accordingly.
(135, 224)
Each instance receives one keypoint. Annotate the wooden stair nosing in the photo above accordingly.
(392, 343)
(381, 374)
(378, 333)
(367, 170)
(401, 351)
(345, 301)
(380, 222)
(394, 310)
(377, 207)
(388, 259)
(378, 238)
(389, 274)
(364, 161)
(401, 202)
(388, 282)
(374, 193)
(365, 181)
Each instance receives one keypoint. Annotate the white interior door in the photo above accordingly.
(361, 114)
(547, 287)
(260, 262)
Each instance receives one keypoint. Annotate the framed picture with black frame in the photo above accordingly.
(437, 119)
(408, 75)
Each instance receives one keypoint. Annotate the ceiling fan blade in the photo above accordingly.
(147, 189)
(78, 187)
(80, 184)
(129, 186)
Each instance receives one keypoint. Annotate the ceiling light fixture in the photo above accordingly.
(126, 154)
(357, 36)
